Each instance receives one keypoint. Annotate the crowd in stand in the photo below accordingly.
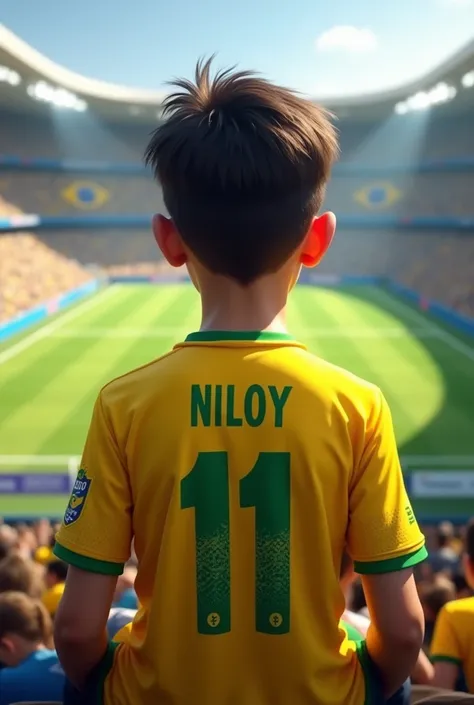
(32, 582)
(35, 268)
(32, 274)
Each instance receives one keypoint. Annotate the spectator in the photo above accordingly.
(22, 575)
(32, 670)
(445, 558)
(55, 579)
(27, 541)
(462, 586)
(8, 539)
(434, 595)
(452, 648)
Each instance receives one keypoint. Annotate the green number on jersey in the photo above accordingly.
(267, 488)
(206, 488)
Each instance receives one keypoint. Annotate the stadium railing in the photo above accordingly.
(34, 221)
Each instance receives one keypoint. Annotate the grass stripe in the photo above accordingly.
(137, 352)
(394, 367)
(48, 359)
(464, 349)
(61, 385)
(13, 371)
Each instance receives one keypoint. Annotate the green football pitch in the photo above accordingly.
(50, 376)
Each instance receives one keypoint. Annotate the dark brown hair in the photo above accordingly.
(243, 165)
(58, 569)
(24, 616)
(436, 594)
(469, 540)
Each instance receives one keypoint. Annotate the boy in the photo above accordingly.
(55, 580)
(240, 463)
(452, 648)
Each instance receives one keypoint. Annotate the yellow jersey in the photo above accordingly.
(453, 638)
(43, 555)
(242, 466)
(52, 597)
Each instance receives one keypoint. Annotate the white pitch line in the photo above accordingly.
(448, 338)
(59, 322)
(35, 459)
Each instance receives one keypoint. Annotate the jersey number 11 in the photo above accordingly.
(267, 489)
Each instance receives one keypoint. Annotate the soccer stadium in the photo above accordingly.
(85, 296)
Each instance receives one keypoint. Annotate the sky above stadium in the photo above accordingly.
(336, 47)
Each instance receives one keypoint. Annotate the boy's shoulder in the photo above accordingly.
(462, 607)
(138, 379)
(338, 380)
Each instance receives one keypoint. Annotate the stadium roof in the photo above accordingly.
(22, 67)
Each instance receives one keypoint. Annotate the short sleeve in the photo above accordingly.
(383, 534)
(96, 532)
(445, 645)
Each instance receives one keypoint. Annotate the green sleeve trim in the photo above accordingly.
(446, 659)
(353, 634)
(91, 565)
(92, 691)
(368, 671)
(391, 565)
(102, 671)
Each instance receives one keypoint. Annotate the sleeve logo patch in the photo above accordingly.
(78, 498)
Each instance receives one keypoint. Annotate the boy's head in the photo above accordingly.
(22, 575)
(243, 165)
(435, 594)
(469, 554)
(8, 540)
(56, 572)
(24, 625)
(444, 534)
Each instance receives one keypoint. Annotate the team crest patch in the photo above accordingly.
(78, 498)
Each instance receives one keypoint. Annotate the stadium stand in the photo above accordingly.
(74, 137)
(79, 137)
(25, 552)
(445, 193)
(32, 273)
(418, 138)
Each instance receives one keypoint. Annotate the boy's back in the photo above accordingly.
(241, 467)
(245, 457)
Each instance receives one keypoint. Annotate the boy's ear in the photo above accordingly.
(168, 240)
(318, 239)
(6, 644)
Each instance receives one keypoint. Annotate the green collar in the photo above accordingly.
(253, 335)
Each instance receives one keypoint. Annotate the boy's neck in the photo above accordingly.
(258, 307)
